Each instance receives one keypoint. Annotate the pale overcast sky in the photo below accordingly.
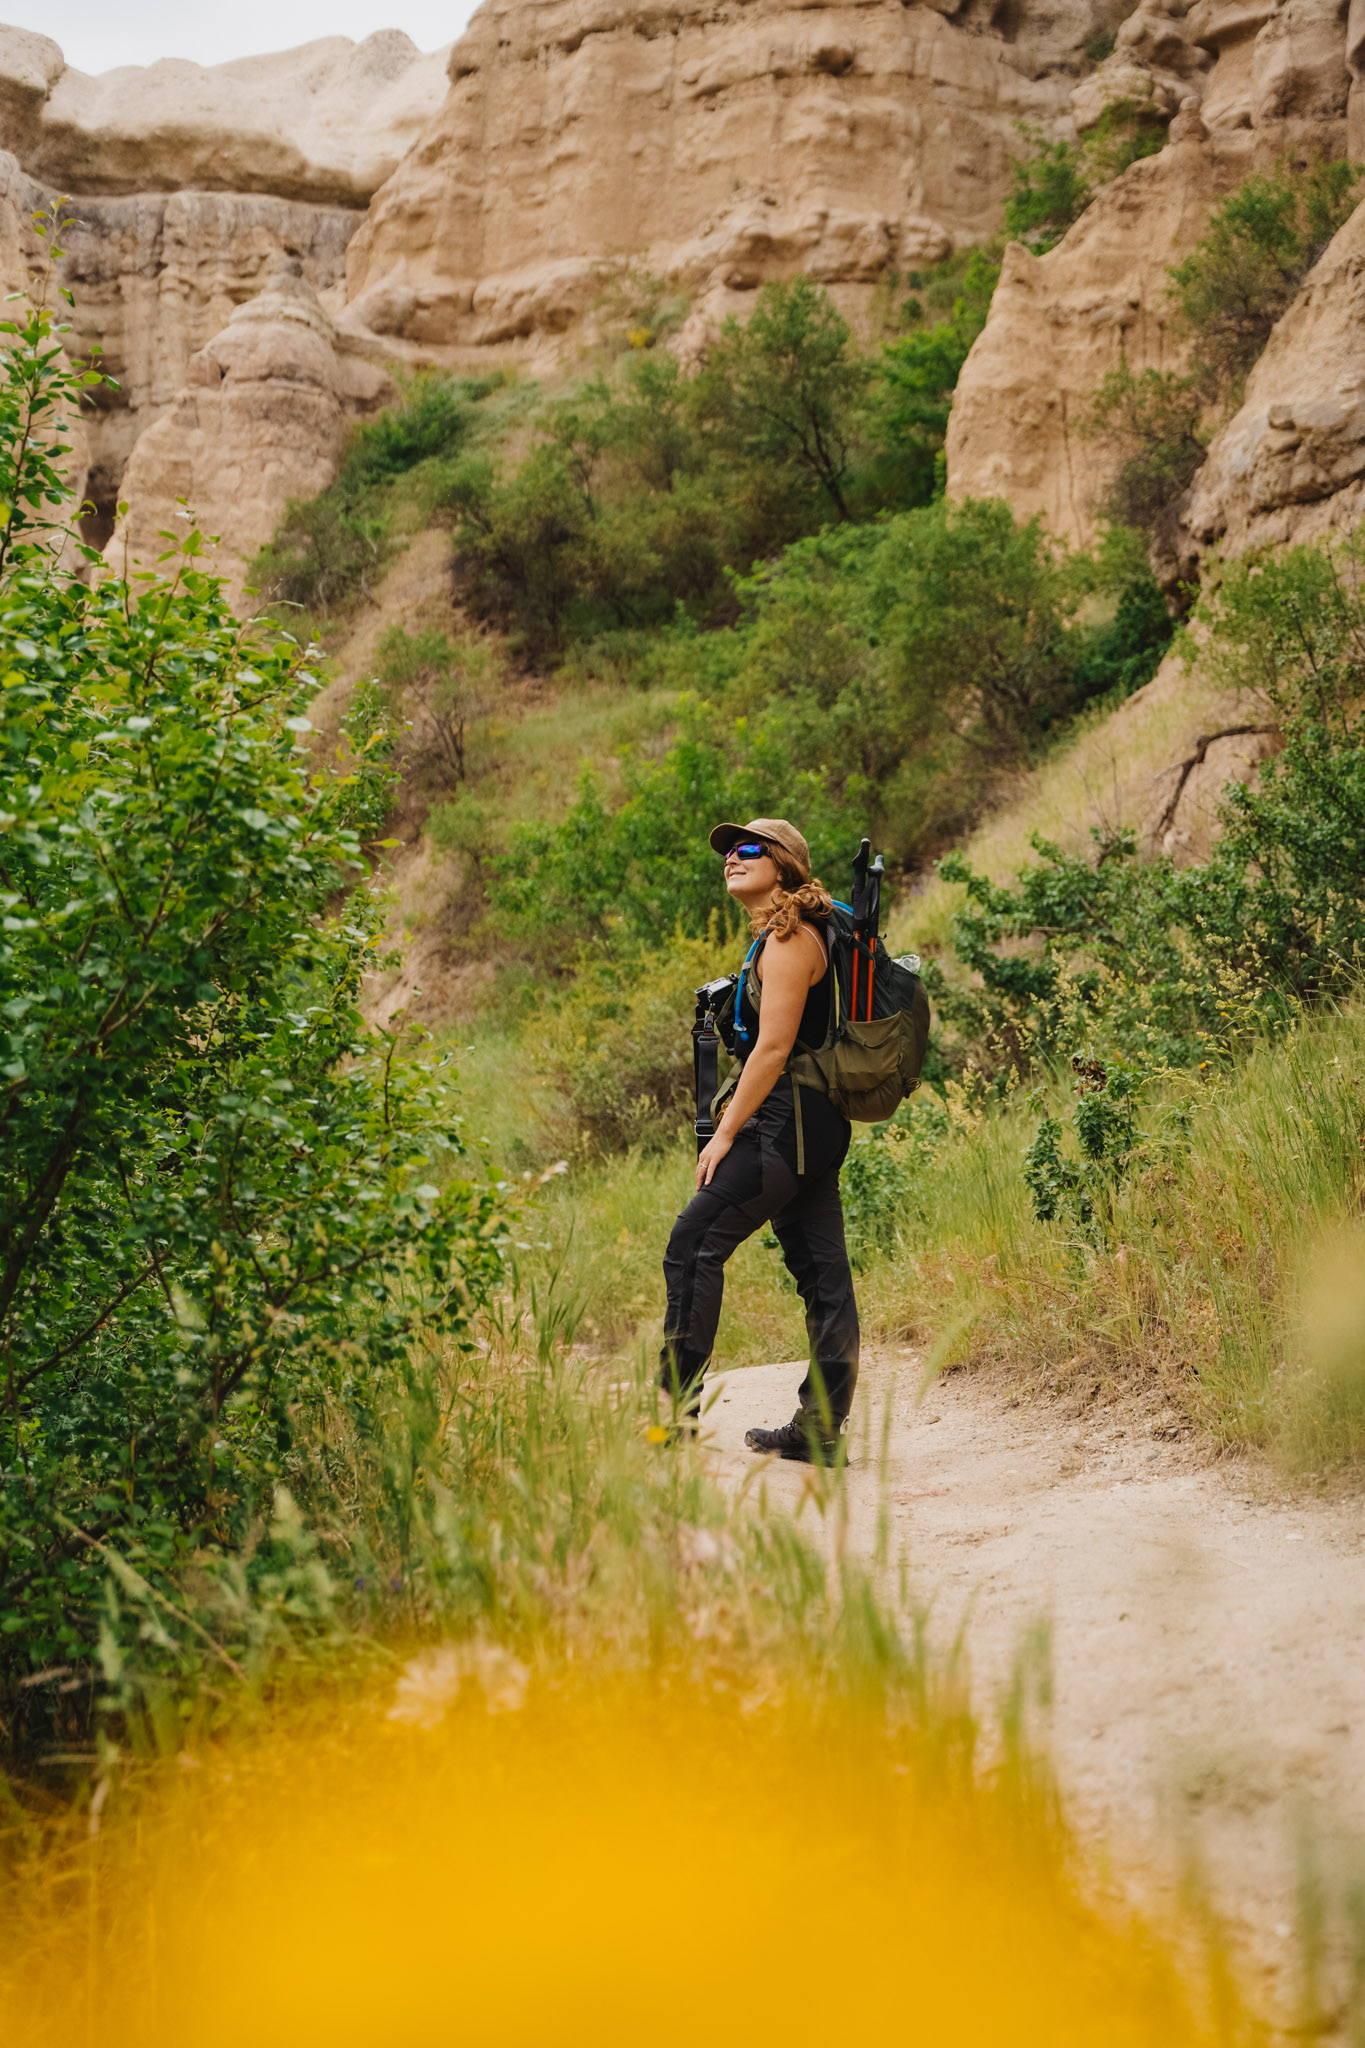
(95, 35)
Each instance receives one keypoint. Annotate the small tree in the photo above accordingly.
(1056, 182)
(1049, 191)
(1149, 420)
(221, 1195)
(787, 386)
(917, 378)
(1246, 268)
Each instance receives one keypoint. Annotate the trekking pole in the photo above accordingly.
(706, 1063)
(873, 924)
(859, 907)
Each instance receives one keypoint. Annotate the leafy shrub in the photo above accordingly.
(911, 660)
(324, 548)
(432, 419)
(436, 686)
(1104, 1123)
(615, 1043)
(217, 1198)
(1055, 183)
(1150, 423)
(641, 494)
(1124, 654)
(916, 378)
(1049, 192)
(1231, 289)
(1163, 966)
(1247, 266)
(786, 388)
(873, 1186)
(647, 868)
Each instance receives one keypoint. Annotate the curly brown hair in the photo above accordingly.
(801, 899)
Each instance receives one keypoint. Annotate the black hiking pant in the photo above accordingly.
(757, 1183)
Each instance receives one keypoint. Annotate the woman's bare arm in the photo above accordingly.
(789, 969)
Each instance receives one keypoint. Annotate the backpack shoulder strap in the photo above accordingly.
(748, 980)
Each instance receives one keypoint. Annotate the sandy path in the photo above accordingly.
(1208, 1633)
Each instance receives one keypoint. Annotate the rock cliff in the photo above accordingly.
(1058, 323)
(1251, 80)
(327, 122)
(190, 186)
(567, 142)
(574, 148)
(713, 146)
(261, 418)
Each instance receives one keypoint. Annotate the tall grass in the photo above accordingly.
(601, 1741)
(471, 1857)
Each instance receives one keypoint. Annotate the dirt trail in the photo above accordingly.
(1208, 1633)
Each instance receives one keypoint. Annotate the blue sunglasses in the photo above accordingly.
(747, 849)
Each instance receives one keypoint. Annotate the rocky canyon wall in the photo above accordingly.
(1251, 80)
(188, 189)
(391, 206)
(1290, 464)
(479, 208)
(714, 145)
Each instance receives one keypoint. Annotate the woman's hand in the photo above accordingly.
(710, 1159)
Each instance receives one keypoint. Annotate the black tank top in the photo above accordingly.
(814, 1026)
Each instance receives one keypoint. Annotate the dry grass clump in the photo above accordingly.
(619, 1693)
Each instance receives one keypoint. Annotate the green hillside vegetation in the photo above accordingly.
(1056, 181)
(1146, 1117)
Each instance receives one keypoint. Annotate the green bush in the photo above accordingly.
(432, 419)
(1150, 423)
(916, 378)
(1248, 265)
(1055, 183)
(217, 1188)
(643, 492)
(873, 1186)
(911, 660)
(881, 678)
(786, 389)
(1160, 966)
(614, 1044)
(435, 687)
(326, 547)
(646, 868)
(1049, 192)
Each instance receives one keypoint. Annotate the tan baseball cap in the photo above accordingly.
(777, 831)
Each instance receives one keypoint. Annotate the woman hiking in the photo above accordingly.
(775, 1156)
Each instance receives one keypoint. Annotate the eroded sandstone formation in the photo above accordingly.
(327, 122)
(1251, 80)
(1059, 323)
(584, 148)
(189, 187)
(713, 146)
(262, 418)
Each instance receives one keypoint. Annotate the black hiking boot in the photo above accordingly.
(805, 1438)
